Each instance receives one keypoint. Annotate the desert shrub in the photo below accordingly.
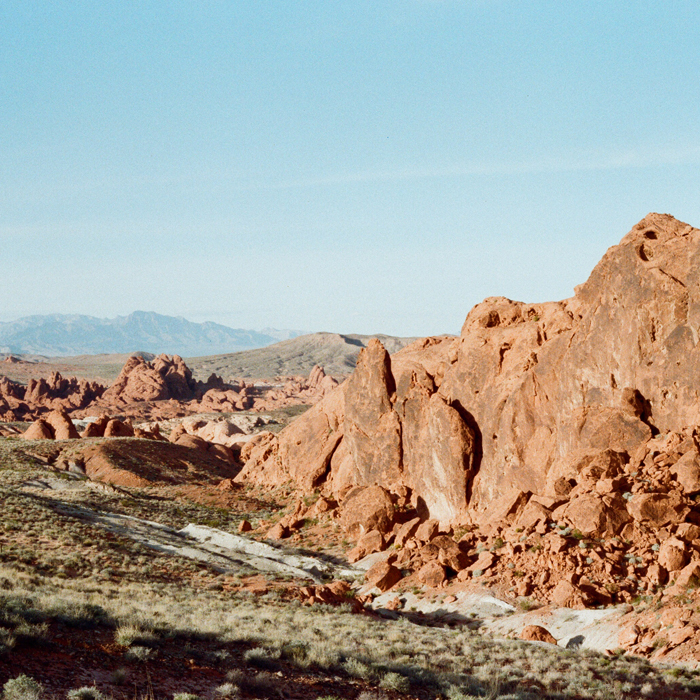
(22, 688)
(229, 691)
(7, 640)
(262, 683)
(137, 653)
(358, 669)
(85, 693)
(126, 635)
(262, 658)
(395, 681)
(185, 696)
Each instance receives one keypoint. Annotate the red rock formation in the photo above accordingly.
(12, 405)
(39, 430)
(562, 425)
(18, 402)
(528, 390)
(56, 392)
(140, 380)
(63, 428)
(536, 633)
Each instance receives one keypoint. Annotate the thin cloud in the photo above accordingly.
(630, 159)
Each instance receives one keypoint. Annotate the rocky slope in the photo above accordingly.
(336, 353)
(563, 434)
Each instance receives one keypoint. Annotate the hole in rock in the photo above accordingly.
(651, 235)
(645, 253)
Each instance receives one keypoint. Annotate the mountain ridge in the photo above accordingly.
(64, 335)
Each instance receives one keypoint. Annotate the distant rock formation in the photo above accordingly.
(18, 402)
(157, 389)
(162, 379)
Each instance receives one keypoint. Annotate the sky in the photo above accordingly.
(346, 166)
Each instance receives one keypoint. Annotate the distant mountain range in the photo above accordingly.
(60, 335)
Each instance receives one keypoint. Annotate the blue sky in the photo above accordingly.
(342, 166)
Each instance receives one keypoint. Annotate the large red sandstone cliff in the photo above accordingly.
(524, 401)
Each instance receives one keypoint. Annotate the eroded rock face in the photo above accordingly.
(372, 430)
(528, 393)
(56, 392)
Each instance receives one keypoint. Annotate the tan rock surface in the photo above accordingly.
(536, 633)
(367, 508)
(62, 425)
(39, 430)
(383, 575)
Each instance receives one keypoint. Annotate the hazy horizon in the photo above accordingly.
(346, 167)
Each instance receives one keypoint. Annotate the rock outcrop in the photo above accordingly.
(579, 417)
(529, 392)
(141, 380)
(18, 402)
(161, 389)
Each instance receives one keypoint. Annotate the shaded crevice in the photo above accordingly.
(469, 420)
(641, 407)
(320, 476)
(501, 355)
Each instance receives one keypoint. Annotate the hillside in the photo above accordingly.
(334, 352)
(65, 335)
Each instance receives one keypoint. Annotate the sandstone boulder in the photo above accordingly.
(690, 575)
(95, 428)
(597, 516)
(278, 532)
(39, 430)
(536, 633)
(672, 554)
(383, 575)
(427, 530)
(62, 425)
(484, 561)
(118, 428)
(193, 442)
(449, 553)
(687, 472)
(432, 574)
(657, 509)
(367, 508)
(370, 542)
(566, 595)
